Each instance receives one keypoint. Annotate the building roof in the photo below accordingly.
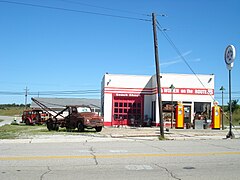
(63, 102)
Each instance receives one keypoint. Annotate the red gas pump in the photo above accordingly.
(216, 117)
(179, 113)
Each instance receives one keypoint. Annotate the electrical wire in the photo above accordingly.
(62, 93)
(105, 8)
(90, 92)
(161, 29)
(73, 10)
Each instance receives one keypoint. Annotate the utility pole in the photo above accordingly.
(26, 94)
(158, 75)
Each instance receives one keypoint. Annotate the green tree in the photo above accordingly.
(234, 104)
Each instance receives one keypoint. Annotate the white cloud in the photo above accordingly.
(178, 59)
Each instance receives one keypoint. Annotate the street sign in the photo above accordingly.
(229, 56)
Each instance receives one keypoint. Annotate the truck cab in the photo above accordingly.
(34, 116)
(81, 117)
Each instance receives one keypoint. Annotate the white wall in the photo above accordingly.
(186, 81)
(117, 83)
(126, 81)
(107, 108)
(148, 105)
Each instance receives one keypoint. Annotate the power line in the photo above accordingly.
(73, 10)
(105, 8)
(76, 92)
(162, 30)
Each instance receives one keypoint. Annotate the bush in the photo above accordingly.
(236, 117)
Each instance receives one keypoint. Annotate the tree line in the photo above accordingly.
(3, 106)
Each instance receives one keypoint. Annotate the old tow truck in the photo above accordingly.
(34, 116)
(72, 117)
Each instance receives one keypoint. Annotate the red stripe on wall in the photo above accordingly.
(107, 123)
(164, 90)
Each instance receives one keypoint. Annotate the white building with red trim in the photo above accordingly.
(131, 99)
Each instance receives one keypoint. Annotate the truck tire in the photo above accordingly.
(50, 125)
(80, 127)
(98, 129)
(56, 127)
(27, 122)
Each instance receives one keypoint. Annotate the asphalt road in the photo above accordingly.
(115, 158)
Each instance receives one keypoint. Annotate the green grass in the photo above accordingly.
(18, 131)
(23, 132)
(1, 120)
(11, 111)
(162, 138)
(235, 118)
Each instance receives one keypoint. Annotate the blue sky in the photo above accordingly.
(53, 51)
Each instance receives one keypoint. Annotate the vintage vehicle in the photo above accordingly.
(34, 116)
(76, 116)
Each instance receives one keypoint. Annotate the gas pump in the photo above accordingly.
(179, 112)
(216, 117)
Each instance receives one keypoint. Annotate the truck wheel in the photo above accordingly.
(56, 128)
(27, 122)
(98, 129)
(80, 127)
(50, 125)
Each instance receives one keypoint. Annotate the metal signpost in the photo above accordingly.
(172, 87)
(222, 89)
(229, 56)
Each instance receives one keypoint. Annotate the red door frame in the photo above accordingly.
(124, 106)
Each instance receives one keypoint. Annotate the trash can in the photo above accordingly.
(198, 124)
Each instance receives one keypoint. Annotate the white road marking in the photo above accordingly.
(138, 167)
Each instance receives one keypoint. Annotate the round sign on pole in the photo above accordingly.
(230, 54)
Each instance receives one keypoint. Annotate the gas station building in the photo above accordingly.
(133, 99)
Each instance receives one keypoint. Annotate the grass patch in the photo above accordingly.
(11, 111)
(235, 118)
(11, 131)
(18, 131)
(23, 132)
(1, 120)
(162, 138)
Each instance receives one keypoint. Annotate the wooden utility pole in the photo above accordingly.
(158, 74)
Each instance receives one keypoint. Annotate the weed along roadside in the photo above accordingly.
(41, 132)
(24, 132)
